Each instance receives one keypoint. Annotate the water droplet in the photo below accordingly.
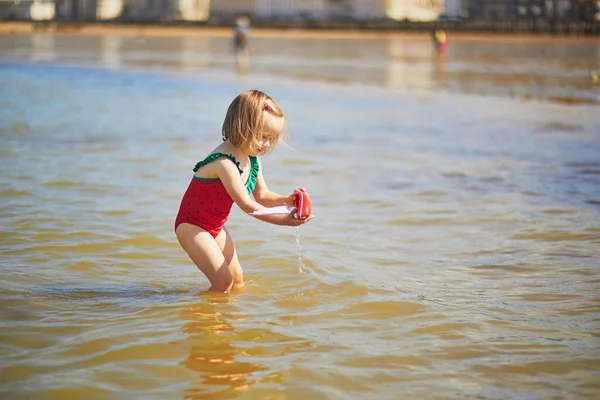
(299, 249)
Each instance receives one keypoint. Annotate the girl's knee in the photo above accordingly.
(222, 281)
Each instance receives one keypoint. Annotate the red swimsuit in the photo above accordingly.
(206, 203)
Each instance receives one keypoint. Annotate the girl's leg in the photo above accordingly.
(227, 246)
(207, 255)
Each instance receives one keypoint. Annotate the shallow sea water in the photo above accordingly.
(454, 253)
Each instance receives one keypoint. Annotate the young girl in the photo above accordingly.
(230, 173)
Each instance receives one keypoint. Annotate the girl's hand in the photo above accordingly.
(291, 199)
(292, 220)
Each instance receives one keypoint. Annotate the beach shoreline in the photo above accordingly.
(105, 29)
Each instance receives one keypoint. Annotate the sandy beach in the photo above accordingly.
(23, 28)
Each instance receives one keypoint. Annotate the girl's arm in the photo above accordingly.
(267, 198)
(230, 177)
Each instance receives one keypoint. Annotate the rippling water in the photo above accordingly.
(454, 254)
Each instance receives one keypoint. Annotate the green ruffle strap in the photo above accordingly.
(214, 156)
(254, 167)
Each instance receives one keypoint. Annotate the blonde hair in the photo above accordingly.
(248, 117)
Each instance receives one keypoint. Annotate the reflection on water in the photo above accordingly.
(110, 51)
(194, 54)
(212, 356)
(454, 254)
(42, 48)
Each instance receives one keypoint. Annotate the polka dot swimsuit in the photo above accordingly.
(206, 202)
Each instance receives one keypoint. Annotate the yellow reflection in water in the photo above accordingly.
(212, 355)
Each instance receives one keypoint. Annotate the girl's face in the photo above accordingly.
(269, 137)
(263, 144)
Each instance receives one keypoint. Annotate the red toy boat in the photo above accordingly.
(303, 205)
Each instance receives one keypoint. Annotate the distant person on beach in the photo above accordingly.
(440, 40)
(230, 174)
(241, 39)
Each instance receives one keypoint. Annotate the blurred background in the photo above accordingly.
(573, 16)
(451, 151)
